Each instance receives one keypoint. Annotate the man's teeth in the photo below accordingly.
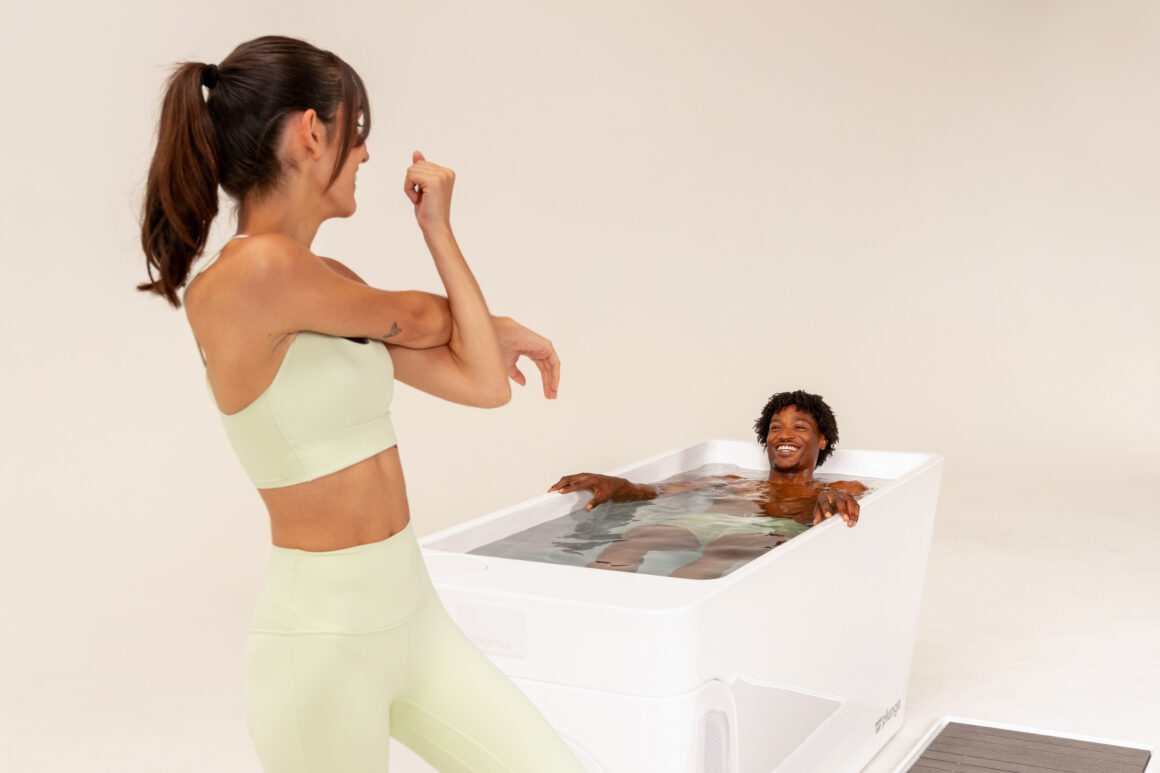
(787, 448)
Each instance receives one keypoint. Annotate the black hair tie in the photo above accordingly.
(209, 76)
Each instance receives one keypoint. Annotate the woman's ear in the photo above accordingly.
(308, 133)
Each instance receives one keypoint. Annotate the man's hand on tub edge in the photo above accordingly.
(833, 502)
(603, 488)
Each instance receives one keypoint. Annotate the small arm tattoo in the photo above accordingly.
(395, 330)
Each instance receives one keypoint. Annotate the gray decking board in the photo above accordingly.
(931, 766)
(1020, 746)
(963, 748)
(961, 730)
(1025, 752)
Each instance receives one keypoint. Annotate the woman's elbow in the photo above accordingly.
(494, 398)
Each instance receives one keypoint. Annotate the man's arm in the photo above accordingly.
(606, 487)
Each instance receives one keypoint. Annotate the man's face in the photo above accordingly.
(793, 441)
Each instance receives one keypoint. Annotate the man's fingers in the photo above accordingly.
(516, 375)
(569, 482)
(596, 500)
(562, 482)
(845, 506)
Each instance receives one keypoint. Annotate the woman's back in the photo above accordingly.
(307, 413)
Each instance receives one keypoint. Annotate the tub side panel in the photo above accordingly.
(835, 617)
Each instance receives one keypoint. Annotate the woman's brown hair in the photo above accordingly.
(230, 138)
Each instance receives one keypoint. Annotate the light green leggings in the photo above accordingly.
(349, 647)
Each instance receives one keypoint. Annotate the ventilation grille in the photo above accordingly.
(715, 731)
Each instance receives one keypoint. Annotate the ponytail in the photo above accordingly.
(181, 195)
(230, 140)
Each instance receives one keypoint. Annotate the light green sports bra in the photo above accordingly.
(328, 407)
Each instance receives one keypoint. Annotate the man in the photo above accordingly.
(799, 432)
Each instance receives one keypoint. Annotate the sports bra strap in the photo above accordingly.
(193, 276)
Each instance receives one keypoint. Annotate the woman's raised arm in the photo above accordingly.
(471, 364)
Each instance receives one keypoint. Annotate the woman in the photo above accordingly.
(349, 642)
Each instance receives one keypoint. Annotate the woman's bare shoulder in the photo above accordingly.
(277, 258)
(246, 283)
(265, 257)
(343, 270)
(260, 270)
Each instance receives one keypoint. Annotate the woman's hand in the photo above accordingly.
(517, 341)
(603, 488)
(833, 502)
(428, 186)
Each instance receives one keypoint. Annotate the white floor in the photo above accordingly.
(1041, 608)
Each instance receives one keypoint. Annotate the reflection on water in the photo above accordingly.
(729, 508)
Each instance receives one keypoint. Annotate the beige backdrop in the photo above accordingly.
(940, 215)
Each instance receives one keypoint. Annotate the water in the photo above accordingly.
(673, 531)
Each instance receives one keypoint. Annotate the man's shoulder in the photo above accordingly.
(850, 486)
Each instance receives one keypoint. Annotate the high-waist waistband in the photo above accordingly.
(351, 590)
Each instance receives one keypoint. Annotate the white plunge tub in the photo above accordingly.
(796, 661)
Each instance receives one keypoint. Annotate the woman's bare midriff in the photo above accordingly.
(366, 502)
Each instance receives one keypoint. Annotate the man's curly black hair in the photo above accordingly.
(806, 403)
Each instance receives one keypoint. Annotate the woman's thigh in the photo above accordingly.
(318, 703)
(462, 714)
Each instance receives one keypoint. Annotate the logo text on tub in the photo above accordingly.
(889, 715)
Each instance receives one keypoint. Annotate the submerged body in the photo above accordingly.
(799, 431)
(745, 519)
(724, 501)
(775, 498)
